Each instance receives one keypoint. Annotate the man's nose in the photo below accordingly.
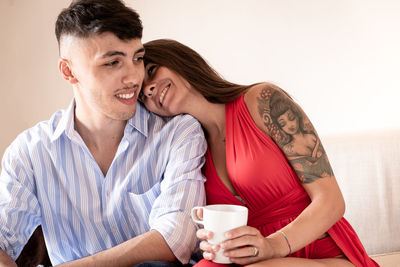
(134, 75)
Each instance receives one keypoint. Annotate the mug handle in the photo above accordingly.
(196, 218)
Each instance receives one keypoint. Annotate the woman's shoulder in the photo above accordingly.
(258, 101)
(254, 99)
(258, 90)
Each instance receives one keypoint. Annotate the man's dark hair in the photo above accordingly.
(86, 17)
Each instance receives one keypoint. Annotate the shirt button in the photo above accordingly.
(113, 229)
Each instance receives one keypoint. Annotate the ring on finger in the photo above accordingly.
(255, 254)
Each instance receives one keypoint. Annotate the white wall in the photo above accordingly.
(338, 58)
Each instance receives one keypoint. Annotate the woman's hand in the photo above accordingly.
(246, 245)
(207, 248)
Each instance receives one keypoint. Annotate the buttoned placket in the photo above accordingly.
(109, 198)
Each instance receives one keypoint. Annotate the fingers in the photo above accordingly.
(240, 242)
(241, 231)
(239, 246)
(245, 246)
(204, 234)
(241, 236)
(248, 251)
(207, 247)
(199, 213)
(243, 256)
(208, 256)
(208, 250)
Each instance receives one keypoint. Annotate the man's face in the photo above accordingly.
(107, 74)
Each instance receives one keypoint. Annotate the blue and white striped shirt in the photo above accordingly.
(49, 177)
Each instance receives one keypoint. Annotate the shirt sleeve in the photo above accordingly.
(19, 207)
(181, 189)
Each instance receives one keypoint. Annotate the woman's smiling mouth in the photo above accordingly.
(164, 91)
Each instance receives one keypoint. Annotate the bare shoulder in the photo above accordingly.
(257, 102)
(254, 92)
(281, 119)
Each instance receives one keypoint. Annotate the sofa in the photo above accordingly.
(367, 167)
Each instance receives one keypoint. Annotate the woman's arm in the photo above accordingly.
(279, 117)
(294, 134)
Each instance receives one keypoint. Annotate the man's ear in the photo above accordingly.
(65, 70)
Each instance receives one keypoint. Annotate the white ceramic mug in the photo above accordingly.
(219, 219)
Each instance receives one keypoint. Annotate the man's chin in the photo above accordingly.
(128, 116)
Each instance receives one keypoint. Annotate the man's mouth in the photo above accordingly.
(163, 93)
(126, 96)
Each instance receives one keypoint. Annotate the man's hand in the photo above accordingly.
(6, 261)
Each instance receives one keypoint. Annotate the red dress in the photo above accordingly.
(267, 183)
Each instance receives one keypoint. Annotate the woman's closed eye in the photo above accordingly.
(141, 96)
(151, 69)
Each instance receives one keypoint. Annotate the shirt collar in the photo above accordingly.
(66, 123)
(139, 121)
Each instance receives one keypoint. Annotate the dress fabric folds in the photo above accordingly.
(271, 190)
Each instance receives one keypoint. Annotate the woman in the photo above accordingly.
(263, 153)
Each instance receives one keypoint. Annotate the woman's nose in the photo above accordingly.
(148, 90)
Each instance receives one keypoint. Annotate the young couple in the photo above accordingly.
(112, 184)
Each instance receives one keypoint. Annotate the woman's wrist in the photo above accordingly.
(278, 244)
(287, 241)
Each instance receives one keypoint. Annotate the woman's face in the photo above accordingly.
(164, 92)
(289, 122)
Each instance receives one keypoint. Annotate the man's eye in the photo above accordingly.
(112, 63)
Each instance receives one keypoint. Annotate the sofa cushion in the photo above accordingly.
(367, 168)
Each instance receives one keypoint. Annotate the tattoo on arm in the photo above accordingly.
(293, 132)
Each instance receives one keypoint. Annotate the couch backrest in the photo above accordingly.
(367, 168)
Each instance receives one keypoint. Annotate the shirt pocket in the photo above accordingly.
(139, 206)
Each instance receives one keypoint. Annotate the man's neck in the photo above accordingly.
(96, 134)
(102, 139)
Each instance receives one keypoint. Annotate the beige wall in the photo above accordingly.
(338, 58)
(31, 89)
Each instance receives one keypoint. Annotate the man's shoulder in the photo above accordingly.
(185, 119)
(176, 123)
(43, 130)
(37, 137)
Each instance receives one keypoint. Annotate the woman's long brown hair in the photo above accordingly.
(193, 68)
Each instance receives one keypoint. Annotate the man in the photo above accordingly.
(107, 188)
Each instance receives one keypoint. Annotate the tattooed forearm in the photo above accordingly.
(292, 131)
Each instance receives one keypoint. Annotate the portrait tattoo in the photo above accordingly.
(292, 131)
